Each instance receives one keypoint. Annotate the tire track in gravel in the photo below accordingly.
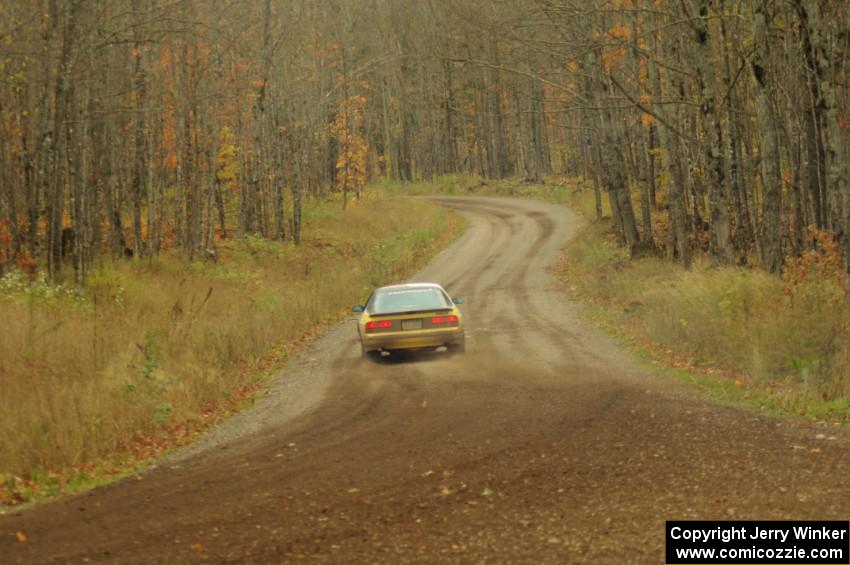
(545, 443)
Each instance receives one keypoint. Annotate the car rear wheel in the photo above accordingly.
(456, 348)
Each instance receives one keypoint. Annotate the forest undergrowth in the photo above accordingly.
(778, 342)
(97, 380)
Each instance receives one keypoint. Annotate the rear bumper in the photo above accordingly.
(422, 339)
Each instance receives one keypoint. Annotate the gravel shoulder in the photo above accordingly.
(545, 443)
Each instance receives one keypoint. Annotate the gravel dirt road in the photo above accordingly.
(545, 443)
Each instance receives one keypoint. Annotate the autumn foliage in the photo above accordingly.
(346, 129)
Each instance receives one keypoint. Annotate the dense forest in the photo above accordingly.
(135, 126)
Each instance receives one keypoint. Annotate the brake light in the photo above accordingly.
(444, 320)
(381, 324)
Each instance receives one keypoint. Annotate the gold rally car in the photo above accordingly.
(416, 316)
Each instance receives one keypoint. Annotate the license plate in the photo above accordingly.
(411, 324)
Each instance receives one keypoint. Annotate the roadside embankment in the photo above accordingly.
(780, 343)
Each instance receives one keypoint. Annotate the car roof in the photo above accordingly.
(408, 286)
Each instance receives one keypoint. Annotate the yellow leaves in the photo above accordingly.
(22, 537)
(620, 32)
(820, 263)
(197, 547)
(352, 163)
(617, 36)
(353, 147)
(227, 162)
(611, 58)
(646, 119)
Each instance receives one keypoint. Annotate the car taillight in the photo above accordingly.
(444, 320)
(381, 324)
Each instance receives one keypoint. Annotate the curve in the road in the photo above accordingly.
(545, 443)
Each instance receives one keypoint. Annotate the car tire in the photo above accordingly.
(456, 348)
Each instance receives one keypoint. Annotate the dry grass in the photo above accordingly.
(786, 336)
(556, 189)
(160, 344)
(786, 340)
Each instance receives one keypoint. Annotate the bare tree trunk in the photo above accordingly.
(56, 199)
(449, 142)
(79, 188)
(677, 235)
(821, 54)
(743, 226)
(614, 175)
(769, 234)
(592, 155)
(504, 167)
(141, 179)
(720, 245)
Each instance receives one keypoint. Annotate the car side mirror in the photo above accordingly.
(457, 300)
(359, 309)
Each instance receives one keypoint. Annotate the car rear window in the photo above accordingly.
(408, 300)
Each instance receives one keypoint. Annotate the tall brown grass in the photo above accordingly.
(788, 335)
(155, 343)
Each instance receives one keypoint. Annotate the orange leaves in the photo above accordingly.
(821, 261)
(611, 58)
(353, 147)
(613, 52)
(5, 234)
(646, 119)
(815, 281)
(357, 104)
(227, 162)
(169, 144)
(5, 240)
(619, 31)
(27, 264)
